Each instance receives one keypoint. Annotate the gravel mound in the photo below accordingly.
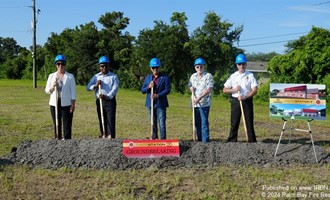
(108, 154)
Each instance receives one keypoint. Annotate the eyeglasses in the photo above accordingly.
(59, 64)
(153, 68)
(239, 64)
(199, 66)
(103, 66)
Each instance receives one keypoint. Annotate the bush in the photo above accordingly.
(263, 92)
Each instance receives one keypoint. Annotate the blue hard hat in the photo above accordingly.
(60, 57)
(241, 59)
(154, 62)
(199, 61)
(104, 59)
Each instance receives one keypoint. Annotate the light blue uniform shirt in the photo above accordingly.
(109, 84)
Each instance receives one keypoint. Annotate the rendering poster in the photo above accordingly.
(297, 101)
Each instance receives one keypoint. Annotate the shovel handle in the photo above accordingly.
(243, 116)
(193, 116)
(101, 110)
(152, 111)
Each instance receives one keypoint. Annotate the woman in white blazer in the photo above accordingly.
(61, 85)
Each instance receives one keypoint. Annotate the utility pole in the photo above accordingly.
(34, 28)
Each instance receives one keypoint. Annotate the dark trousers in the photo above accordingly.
(236, 118)
(109, 114)
(65, 118)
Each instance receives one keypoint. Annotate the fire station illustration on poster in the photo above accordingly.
(301, 101)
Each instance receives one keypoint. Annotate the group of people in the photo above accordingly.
(241, 86)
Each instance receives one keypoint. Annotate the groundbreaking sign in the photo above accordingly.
(151, 148)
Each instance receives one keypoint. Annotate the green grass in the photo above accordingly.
(25, 115)
(217, 183)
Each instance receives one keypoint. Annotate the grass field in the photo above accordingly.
(25, 115)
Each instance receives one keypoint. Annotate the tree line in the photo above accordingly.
(305, 61)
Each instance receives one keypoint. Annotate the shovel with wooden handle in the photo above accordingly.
(152, 112)
(102, 116)
(56, 113)
(193, 116)
(243, 116)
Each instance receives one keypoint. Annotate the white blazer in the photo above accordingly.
(68, 89)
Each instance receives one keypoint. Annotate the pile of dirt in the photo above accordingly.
(108, 154)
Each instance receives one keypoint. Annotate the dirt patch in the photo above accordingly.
(108, 154)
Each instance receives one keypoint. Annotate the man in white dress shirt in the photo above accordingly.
(242, 82)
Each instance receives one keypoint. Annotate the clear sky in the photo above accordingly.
(268, 24)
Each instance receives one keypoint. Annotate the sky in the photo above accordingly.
(268, 24)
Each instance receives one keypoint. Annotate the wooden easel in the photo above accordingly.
(301, 130)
